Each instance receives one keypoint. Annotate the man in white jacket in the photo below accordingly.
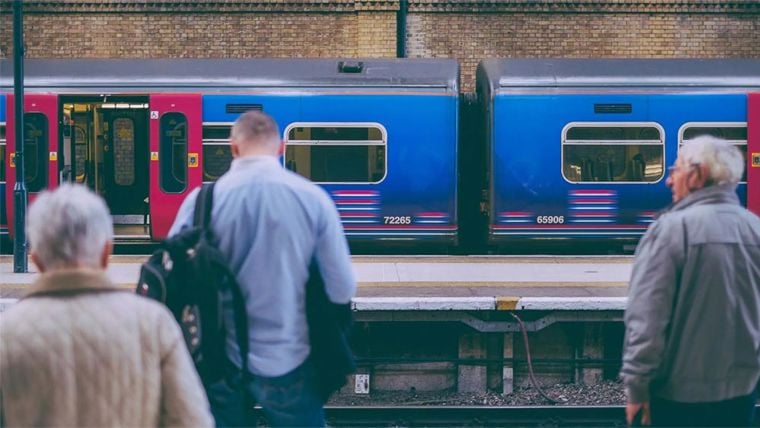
(77, 350)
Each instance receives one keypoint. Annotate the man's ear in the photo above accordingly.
(700, 179)
(281, 149)
(37, 262)
(234, 149)
(106, 253)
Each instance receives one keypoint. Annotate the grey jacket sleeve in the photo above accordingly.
(650, 301)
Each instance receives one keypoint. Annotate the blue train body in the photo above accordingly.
(415, 197)
(379, 135)
(558, 150)
(582, 152)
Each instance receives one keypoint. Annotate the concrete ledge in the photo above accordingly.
(6, 304)
(469, 303)
(571, 303)
(424, 304)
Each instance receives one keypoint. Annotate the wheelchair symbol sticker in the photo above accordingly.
(154, 114)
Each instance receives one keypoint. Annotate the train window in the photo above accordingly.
(337, 152)
(124, 151)
(2, 153)
(217, 159)
(733, 132)
(81, 152)
(35, 151)
(216, 133)
(613, 152)
(217, 156)
(173, 153)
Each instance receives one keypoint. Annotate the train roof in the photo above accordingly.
(235, 74)
(620, 73)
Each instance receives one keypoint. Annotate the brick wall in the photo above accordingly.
(580, 36)
(468, 30)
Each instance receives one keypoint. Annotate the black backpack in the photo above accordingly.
(189, 274)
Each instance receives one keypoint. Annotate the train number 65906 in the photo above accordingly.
(550, 219)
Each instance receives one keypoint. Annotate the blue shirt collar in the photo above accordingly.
(257, 161)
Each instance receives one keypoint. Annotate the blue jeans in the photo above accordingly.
(290, 400)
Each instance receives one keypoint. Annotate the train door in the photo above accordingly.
(125, 161)
(175, 148)
(40, 146)
(753, 153)
(104, 146)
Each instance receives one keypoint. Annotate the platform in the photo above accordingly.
(432, 283)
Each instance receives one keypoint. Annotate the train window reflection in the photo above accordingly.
(337, 152)
(621, 153)
(173, 153)
(216, 161)
(80, 153)
(733, 132)
(219, 133)
(35, 151)
(124, 151)
(217, 156)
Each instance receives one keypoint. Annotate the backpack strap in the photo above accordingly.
(203, 205)
(202, 218)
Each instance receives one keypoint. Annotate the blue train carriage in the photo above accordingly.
(579, 149)
(379, 136)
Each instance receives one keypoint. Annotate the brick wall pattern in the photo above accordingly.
(468, 30)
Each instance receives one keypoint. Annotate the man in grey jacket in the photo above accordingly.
(692, 340)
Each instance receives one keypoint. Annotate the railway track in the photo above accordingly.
(477, 416)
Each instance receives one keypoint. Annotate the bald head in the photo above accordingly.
(255, 133)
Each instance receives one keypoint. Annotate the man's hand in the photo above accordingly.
(632, 409)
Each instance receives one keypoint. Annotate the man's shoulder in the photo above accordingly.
(304, 186)
(49, 313)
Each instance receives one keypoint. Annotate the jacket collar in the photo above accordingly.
(71, 281)
(723, 194)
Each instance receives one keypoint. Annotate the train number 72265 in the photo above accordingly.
(396, 219)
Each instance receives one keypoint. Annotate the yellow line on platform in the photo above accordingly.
(506, 303)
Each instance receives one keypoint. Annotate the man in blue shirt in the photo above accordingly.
(270, 223)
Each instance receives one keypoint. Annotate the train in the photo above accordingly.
(544, 151)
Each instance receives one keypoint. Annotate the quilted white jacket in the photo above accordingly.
(78, 352)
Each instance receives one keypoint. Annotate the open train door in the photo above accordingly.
(175, 150)
(753, 153)
(40, 147)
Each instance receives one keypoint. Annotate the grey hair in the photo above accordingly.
(724, 160)
(69, 227)
(256, 128)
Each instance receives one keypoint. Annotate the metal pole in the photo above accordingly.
(20, 264)
(403, 5)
